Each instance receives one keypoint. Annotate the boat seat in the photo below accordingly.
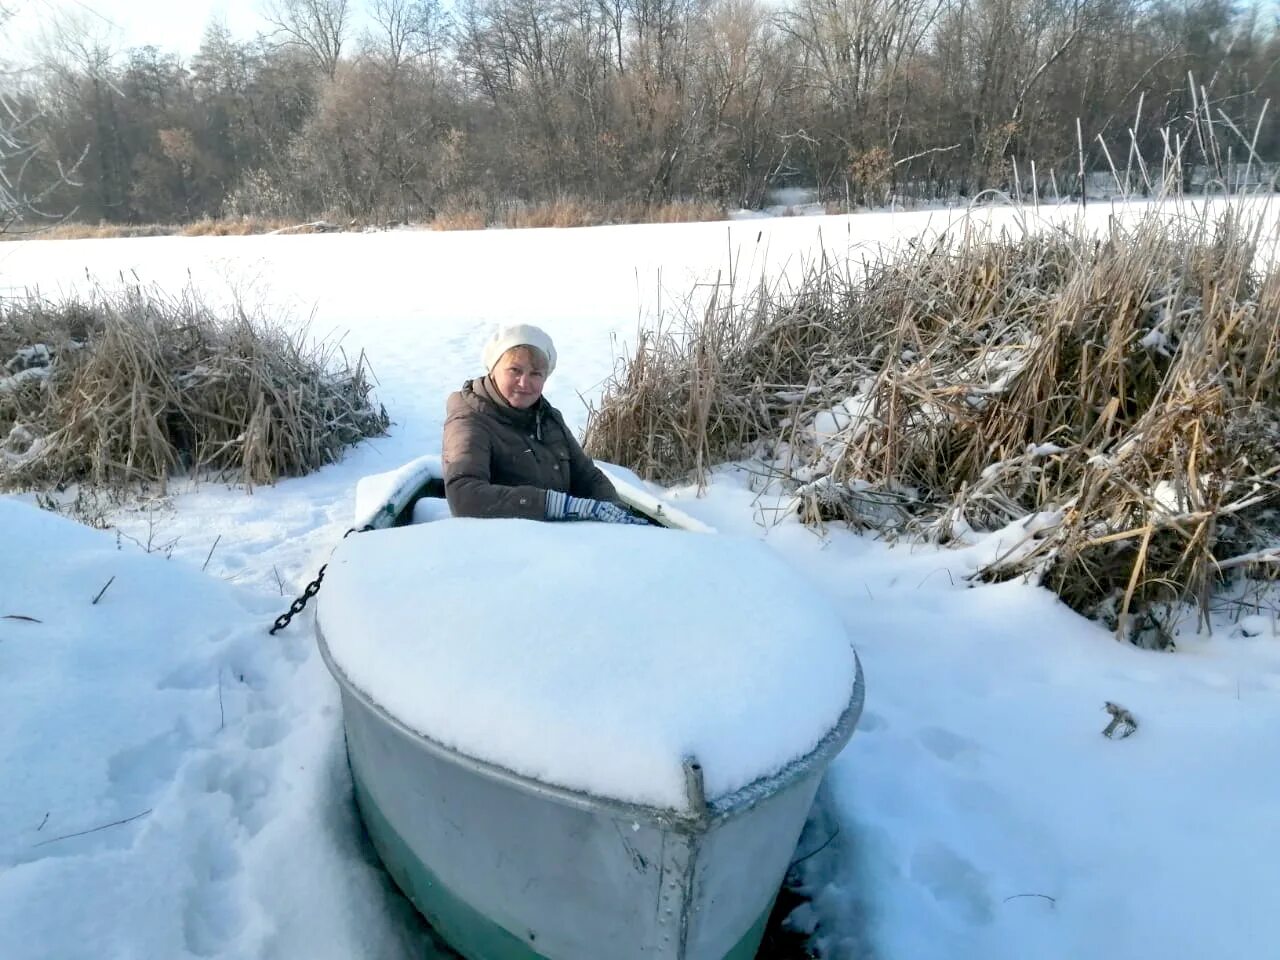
(434, 505)
(427, 509)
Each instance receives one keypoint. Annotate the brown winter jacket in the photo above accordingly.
(500, 461)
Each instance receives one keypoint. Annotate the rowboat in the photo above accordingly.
(506, 865)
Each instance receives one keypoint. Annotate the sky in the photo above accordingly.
(172, 25)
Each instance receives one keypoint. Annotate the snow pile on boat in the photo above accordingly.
(591, 656)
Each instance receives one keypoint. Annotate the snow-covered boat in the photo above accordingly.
(546, 775)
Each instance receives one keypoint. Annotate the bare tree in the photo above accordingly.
(858, 58)
(77, 54)
(24, 156)
(410, 31)
(406, 119)
(453, 107)
(317, 26)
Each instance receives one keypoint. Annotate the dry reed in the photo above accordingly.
(206, 227)
(558, 213)
(576, 213)
(460, 220)
(1111, 403)
(137, 386)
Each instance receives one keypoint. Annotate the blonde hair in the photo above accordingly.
(536, 357)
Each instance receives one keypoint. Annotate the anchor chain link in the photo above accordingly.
(311, 589)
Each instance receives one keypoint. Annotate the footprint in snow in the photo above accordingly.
(953, 881)
(241, 670)
(1271, 681)
(195, 675)
(137, 771)
(235, 665)
(264, 731)
(215, 858)
(297, 647)
(211, 916)
(871, 722)
(245, 782)
(946, 745)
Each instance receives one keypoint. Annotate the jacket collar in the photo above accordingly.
(485, 393)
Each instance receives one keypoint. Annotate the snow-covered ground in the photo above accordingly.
(175, 783)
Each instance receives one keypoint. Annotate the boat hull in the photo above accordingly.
(506, 867)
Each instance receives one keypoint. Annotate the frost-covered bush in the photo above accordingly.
(1111, 402)
(259, 194)
(136, 386)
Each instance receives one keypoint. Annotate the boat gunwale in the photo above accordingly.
(718, 809)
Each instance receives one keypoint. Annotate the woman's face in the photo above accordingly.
(520, 377)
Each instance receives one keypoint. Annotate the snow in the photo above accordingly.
(20, 379)
(157, 779)
(1157, 341)
(977, 812)
(1044, 449)
(591, 656)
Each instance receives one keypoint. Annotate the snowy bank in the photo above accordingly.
(980, 814)
(163, 797)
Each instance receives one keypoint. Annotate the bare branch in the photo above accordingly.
(925, 153)
(317, 26)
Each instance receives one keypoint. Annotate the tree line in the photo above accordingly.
(490, 102)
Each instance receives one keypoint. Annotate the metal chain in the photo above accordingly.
(311, 590)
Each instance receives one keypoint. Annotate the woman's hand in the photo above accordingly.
(561, 506)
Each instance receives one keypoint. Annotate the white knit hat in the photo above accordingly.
(518, 335)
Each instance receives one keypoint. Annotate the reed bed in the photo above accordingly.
(1110, 404)
(137, 386)
(469, 219)
(558, 213)
(576, 213)
(206, 227)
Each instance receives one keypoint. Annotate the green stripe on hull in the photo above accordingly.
(465, 928)
(745, 949)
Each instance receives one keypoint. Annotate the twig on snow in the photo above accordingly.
(1042, 896)
(104, 588)
(20, 616)
(105, 826)
(946, 570)
(211, 549)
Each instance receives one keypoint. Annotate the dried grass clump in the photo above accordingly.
(248, 226)
(136, 386)
(556, 213)
(69, 230)
(576, 213)
(677, 211)
(205, 227)
(460, 220)
(1111, 404)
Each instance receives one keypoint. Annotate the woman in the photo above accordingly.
(508, 453)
